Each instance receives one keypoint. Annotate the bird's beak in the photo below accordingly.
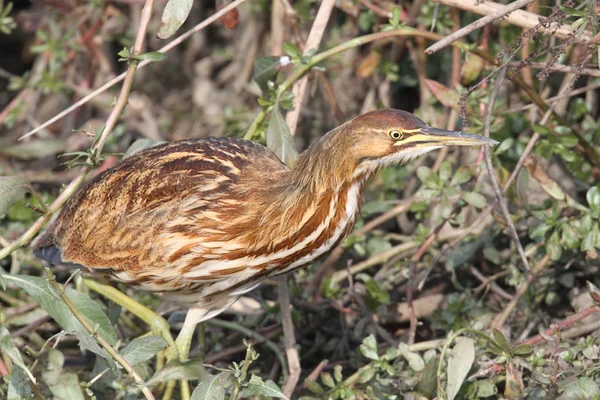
(430, 137)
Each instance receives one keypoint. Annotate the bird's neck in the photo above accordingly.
(316, 201)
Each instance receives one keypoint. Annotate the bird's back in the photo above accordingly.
(152, 217)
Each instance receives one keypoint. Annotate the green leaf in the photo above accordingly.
(415, 361)
(45, 295)
(18, 387)
(176, 370)
(582, 389)
(143, 349)
(593, 197)
(463, 356)
(327, 380)
(445, 170)
(569, 236)
(64, 385)
(553, 247)
(501, 341)
(366, 374)
(174, 15)
(314, 386)
(504, 146)
(12, 189)
(573, 11)
(475, 199)
(34, 149)
(462, 175)
(153, 56)
(279, 138)
(591, 239)
(257, 387)
(265, 70)
(523, 350)
(140, 145)
(337, 373)
(292, 50)
(368, 348)
(486, 388)
(211, 388)
(540, 130)
(8, 347)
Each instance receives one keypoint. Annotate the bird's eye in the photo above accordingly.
(396, 135)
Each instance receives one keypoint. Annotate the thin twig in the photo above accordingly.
(313, 41)
(289, 335)
(492, 173)
(166, 48)
(476, 25)
(560, 326)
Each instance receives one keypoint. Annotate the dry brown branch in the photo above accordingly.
(524, 19)
(166, 48)
(497, 14)
(313, 41)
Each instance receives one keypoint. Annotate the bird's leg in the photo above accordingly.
(157, 323)
(184, 339)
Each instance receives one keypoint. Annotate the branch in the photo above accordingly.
(523, 19)
(501, 12)
(289, 335)
(93, 332)
(492, 174)
(313, 41)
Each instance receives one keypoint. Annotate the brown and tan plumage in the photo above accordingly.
(205, 220)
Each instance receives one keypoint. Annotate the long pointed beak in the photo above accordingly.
(442, 137)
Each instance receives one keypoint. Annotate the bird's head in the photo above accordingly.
(390, 137)
(373, 140)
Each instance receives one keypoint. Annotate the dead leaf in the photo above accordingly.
(369, 65)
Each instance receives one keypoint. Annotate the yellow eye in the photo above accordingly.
(395, 135)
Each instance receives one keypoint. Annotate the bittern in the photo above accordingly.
(203, 221)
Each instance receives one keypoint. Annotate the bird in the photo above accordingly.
(202, 221)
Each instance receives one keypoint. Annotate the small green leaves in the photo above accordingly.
(12, 189)
(174, 15)
(394, 22)
(368, 348)
(128, 56)
(7, 24)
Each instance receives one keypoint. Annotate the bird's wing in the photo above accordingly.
(161, 212)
